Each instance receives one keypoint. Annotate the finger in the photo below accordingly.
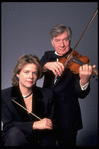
(90, 67)
(87, 70)
(48, 121)
(58, 71)
(80, 68)
(59, 68)
(61, 65)
(48, 127)
(85, 67)
(55, 72)
(48, 124)
(55, 69)
(94, 66)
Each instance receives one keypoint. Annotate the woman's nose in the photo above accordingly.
(31, 75)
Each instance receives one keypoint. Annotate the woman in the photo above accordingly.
(20, 127)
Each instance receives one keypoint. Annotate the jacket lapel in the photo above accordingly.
(38, 107)
(16, 96)
(60, 78)
(38, 104)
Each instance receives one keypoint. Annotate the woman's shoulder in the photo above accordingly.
(6, 90)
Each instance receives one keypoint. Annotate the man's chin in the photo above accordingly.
(62, 53)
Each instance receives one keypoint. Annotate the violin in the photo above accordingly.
(74, 60)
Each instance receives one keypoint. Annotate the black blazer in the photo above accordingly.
(13, 115)
(67, 90)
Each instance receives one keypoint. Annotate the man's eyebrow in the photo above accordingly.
(57, 39)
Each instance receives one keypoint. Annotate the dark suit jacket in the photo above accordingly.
(67, 90)
(15, 116)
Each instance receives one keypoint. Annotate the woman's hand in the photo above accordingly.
(43, 124)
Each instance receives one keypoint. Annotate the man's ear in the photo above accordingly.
(52, 42)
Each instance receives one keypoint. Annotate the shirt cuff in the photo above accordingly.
(84, 87)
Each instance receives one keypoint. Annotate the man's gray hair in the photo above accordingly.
(59, 29)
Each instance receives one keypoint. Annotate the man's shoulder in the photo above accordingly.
(49, 52)
(47, 57)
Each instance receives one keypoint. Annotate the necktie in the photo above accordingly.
(66, 54)
(56, 56)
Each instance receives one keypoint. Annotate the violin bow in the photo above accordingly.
(70, 55)
(84, 32)
(26, 109)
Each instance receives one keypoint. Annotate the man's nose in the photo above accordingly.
(62, 44)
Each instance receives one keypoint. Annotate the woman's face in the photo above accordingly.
(28, 76)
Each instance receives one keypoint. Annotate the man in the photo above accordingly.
(66, 86)
(20, 127)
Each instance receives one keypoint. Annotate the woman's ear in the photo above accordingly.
(17, 75)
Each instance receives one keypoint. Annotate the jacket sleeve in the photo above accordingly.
(47, 57)
(48, 101)
(50, 108)
(44, 59)
(9, 120)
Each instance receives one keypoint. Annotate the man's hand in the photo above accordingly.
(85, 73)
(43, 124)
(56, 67)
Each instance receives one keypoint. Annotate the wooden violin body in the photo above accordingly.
(74, 61)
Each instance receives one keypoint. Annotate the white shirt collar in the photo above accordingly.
(56, 53)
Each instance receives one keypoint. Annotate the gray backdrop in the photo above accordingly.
(25, 30)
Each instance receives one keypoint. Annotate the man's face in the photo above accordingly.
(61, 43)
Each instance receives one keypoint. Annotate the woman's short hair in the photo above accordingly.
(59, 29)
(22, 61)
